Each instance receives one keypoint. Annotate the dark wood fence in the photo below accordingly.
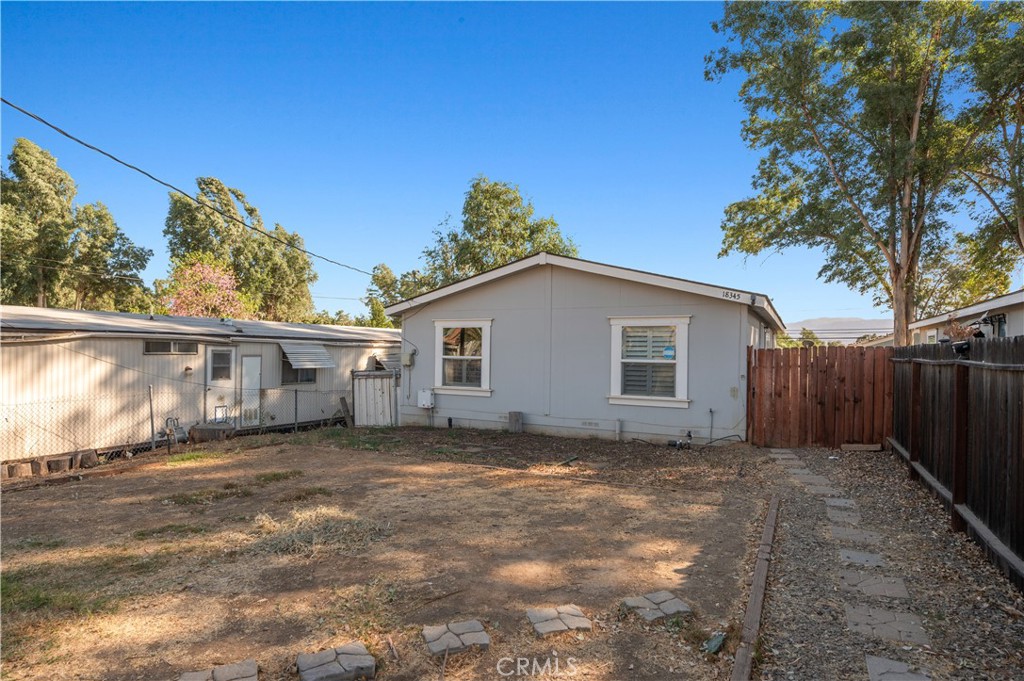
(959, 423)
(820, 396)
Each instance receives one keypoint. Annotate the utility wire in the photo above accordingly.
(180, 191)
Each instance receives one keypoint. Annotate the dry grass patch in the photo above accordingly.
(264, 479)
(305, 493)
(308, 532)
(169, 531)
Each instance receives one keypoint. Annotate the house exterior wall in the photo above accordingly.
(550, 357)
(935, 331)
(63, 396)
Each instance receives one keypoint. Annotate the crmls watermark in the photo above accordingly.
(551, 665)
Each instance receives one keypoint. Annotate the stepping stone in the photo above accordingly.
(823, 491)
(861, 558)
(892, 625)
(345, 663)
(656, 605)
(790, 463)
(812, 479)
(855, 535)
(841, 503)
(842, 517)
(872, 585)
(780, 451)
(455, 637)
(801, 471)
(237, 671)
(881, 669)
(563, 618)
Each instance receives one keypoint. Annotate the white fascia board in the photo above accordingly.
(1017, 297)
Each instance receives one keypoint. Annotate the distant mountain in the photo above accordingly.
(842, 329)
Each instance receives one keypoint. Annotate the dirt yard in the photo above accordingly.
(269, 546)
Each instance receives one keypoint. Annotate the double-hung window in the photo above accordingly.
(649, 361)
(463, 356)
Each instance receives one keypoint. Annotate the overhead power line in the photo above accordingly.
(180, 191)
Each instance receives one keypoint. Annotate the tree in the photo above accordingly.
(853, 105)
(37, 196)
(55, 253)
(996, 171)
(339, 318)
(806, 337)
(105, 264)
(273, 275)
(202, 286)
(970, 268)
(498, 227)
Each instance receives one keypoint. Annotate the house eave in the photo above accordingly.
(758, 301)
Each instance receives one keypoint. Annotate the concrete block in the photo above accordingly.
(90, 459)
(59, 465)
(660, 596)
(550, 627)
(238, 671)
(478, 639)
(448, 642)
(20, 470)
(460, 628)
(310, 660)
(639, 602)
(432, 633)
(675, 607)
(574, 622)
(541, 614)
(206, 675)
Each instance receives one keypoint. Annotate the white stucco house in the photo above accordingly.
(582, 348)
(998, 317)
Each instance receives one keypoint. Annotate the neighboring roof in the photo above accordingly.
(978, 309)
(881, 341)
(758, 301)
(36, 321)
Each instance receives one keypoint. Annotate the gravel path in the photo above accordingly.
(972, 615)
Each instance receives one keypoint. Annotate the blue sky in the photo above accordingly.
(361, 125)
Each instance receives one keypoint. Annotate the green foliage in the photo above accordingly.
(968, 269)
(273, 276)
(996, 170)
(498, 227)
(855, 107)
(57, 254)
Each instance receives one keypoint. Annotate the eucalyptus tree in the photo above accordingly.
(271, 273)
(59, 254)
(855, 107)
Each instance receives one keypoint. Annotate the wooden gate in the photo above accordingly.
(820, 396)
(375, 399)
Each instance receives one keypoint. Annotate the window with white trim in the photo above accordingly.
(463, 355)
(649, 361)
(221, 363)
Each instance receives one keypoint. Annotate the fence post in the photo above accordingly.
(295, 424)
(915, 418)
(961, 407)
(152, 423)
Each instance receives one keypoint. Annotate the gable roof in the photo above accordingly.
(978, 309)
(33, 322)
(760, 303)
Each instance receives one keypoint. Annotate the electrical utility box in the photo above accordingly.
(425, 399)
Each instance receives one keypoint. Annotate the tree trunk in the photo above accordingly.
(903, 311)
(40, 288)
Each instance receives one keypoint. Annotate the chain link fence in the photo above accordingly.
(136, 421)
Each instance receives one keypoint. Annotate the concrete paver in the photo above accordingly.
(817, 480)
(872, 585)
(841, 503)
(344, 663)
(881, 669)
(842, 517)
(455, 637)
(656, 605)
(246, 670)
(893, 625)
(563, 618)
(855, 535)
(861, 558)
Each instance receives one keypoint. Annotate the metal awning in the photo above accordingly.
(307, 356)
